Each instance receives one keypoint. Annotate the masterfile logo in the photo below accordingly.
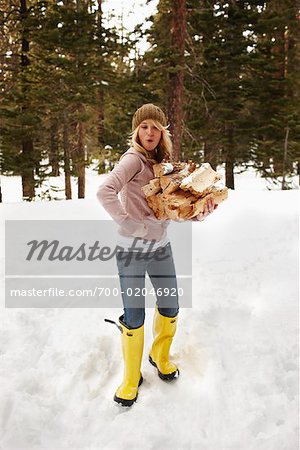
(73, 263)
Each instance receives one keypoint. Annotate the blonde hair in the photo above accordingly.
(164, 149)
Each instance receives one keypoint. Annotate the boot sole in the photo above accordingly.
(165, 376)
(126, 402)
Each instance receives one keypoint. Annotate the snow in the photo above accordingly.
(237, 348)
(51, 189)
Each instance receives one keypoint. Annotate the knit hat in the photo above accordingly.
(148, 111)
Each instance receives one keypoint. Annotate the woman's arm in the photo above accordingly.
(128, 166)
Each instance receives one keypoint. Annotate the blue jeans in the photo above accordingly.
(132, 268)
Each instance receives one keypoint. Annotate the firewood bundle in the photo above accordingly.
(180, 190)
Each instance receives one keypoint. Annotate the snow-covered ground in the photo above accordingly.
(237, 347)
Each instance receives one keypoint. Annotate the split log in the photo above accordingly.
(165, 168)
(201, 180)
(171, 183)
(152, 188)
(162, 169)
(182, 194)
(178, 205)
(157, 204)
(218, 194)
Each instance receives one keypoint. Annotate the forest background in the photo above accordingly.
(227, 73)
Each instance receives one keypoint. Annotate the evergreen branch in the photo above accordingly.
(5, 19)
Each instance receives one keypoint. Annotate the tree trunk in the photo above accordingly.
(100, 125)
(176, 75)
(28, 163)
(28, 183)
(286, 140)
(210, 154)
(80, 161)
(229, 157)
(54, 152)
(79, 151)
(67, 170)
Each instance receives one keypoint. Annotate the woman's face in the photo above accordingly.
(149, 135)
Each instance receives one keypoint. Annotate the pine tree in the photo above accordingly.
(64, 81)
(202, 129)
(176, 74)
(165, 65)
(218, 67)
(19, 123)
(275, 86)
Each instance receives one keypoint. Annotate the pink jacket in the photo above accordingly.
(130, 211)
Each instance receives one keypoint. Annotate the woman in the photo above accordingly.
(150, 144)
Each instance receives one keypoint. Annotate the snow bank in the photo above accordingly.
(237, 348)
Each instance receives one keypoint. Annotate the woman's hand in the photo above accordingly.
(134, 228)
(141, 231)
(209, 207)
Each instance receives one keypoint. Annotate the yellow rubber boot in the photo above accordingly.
(132, 349)
(164, 329)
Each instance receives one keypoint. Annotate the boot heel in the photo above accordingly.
(124, 402)
(166, 377)
(152, 362)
